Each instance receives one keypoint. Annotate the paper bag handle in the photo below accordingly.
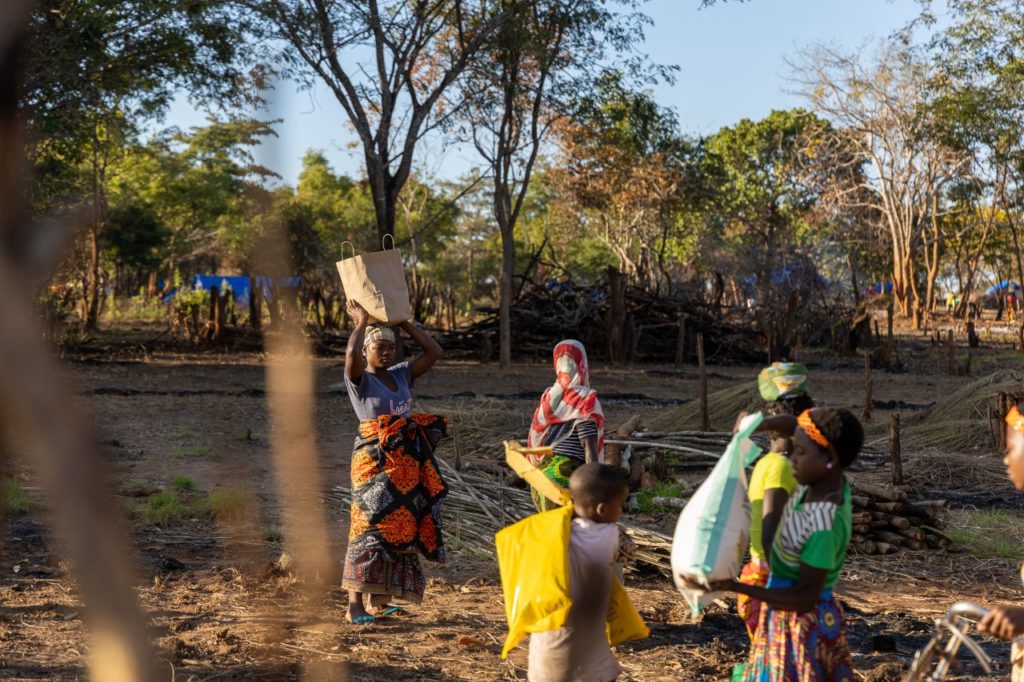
(351, 246)
(384, 242)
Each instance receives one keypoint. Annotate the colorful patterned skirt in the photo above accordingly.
(397, 490)
(558, 468)
(800, 647)
(754, 573)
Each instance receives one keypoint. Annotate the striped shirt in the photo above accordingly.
(567, 438)
(812, 533)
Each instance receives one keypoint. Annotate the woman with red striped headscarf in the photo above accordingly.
(569, 419)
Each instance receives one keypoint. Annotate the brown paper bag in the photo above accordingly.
(376, 281)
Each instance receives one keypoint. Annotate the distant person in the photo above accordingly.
(579, 650)
(950, 303)
(569, 418)
(783, 387)
(1011, 306)
(397, 487)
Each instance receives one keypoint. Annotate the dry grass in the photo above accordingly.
(723, 406)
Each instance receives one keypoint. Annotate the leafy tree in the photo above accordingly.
(885, 104)
(95, 71)
(761, 212)
(529, 76)
(388, 64)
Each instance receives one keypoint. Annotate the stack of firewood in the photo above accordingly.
(886, 521)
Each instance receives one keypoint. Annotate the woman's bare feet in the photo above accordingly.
(356, 612)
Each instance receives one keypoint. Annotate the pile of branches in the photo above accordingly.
(653, 328)
(479, 504)
(624, 323)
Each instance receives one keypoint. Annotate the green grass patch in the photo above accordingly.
(185, 432)
(225, 504)
(988, 533)
(183, 483)
(645, 498)
(15, 499)
(165, 508)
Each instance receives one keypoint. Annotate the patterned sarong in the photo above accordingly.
(558, 468)
(800, 647)
(754, 573)
(397, 490)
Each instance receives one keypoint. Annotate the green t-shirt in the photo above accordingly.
(774, 470)
(812, 533)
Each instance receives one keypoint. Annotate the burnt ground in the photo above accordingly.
(222, 606)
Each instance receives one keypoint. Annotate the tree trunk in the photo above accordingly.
(92, 294)
(616, 323)
(255, 305)
(508, 264)
(853, 280)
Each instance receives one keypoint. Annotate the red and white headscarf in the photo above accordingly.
(571, 398)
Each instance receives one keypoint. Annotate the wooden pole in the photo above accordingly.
(705, 417)
(1004, 407)
(950, 353)
(894, 450)
(869, 388)
(681, 339)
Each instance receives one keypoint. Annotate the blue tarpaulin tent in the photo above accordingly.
(1002, 286)
(787, 275)
(239, 285)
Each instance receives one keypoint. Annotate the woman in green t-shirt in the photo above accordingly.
(801, 635)
(783, 387)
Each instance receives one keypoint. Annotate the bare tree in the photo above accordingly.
(388, 64)
(882, 107)
(538, 69)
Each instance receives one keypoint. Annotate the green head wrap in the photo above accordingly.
(782, 380)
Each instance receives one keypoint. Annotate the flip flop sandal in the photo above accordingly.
(394, 611)
(363, 620)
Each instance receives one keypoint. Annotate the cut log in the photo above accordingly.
(878, 492)
(891, 507)
(928, 504)
(670, 502)
(900, 522)
(867, 547)
(891, 538)
(885, 548)
(860, 501)
(912, 533)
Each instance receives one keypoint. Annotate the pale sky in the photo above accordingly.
(731, 58)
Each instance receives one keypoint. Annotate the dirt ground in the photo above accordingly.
(221, 605)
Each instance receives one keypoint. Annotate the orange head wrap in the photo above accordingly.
(805, 423)
(1015, 419)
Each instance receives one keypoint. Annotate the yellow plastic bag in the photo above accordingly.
(624, 621)
(533, 559)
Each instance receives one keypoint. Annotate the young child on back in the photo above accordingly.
(579, 651)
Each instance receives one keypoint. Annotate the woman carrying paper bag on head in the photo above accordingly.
(376, 281)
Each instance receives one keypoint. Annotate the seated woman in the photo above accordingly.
(569, 419)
